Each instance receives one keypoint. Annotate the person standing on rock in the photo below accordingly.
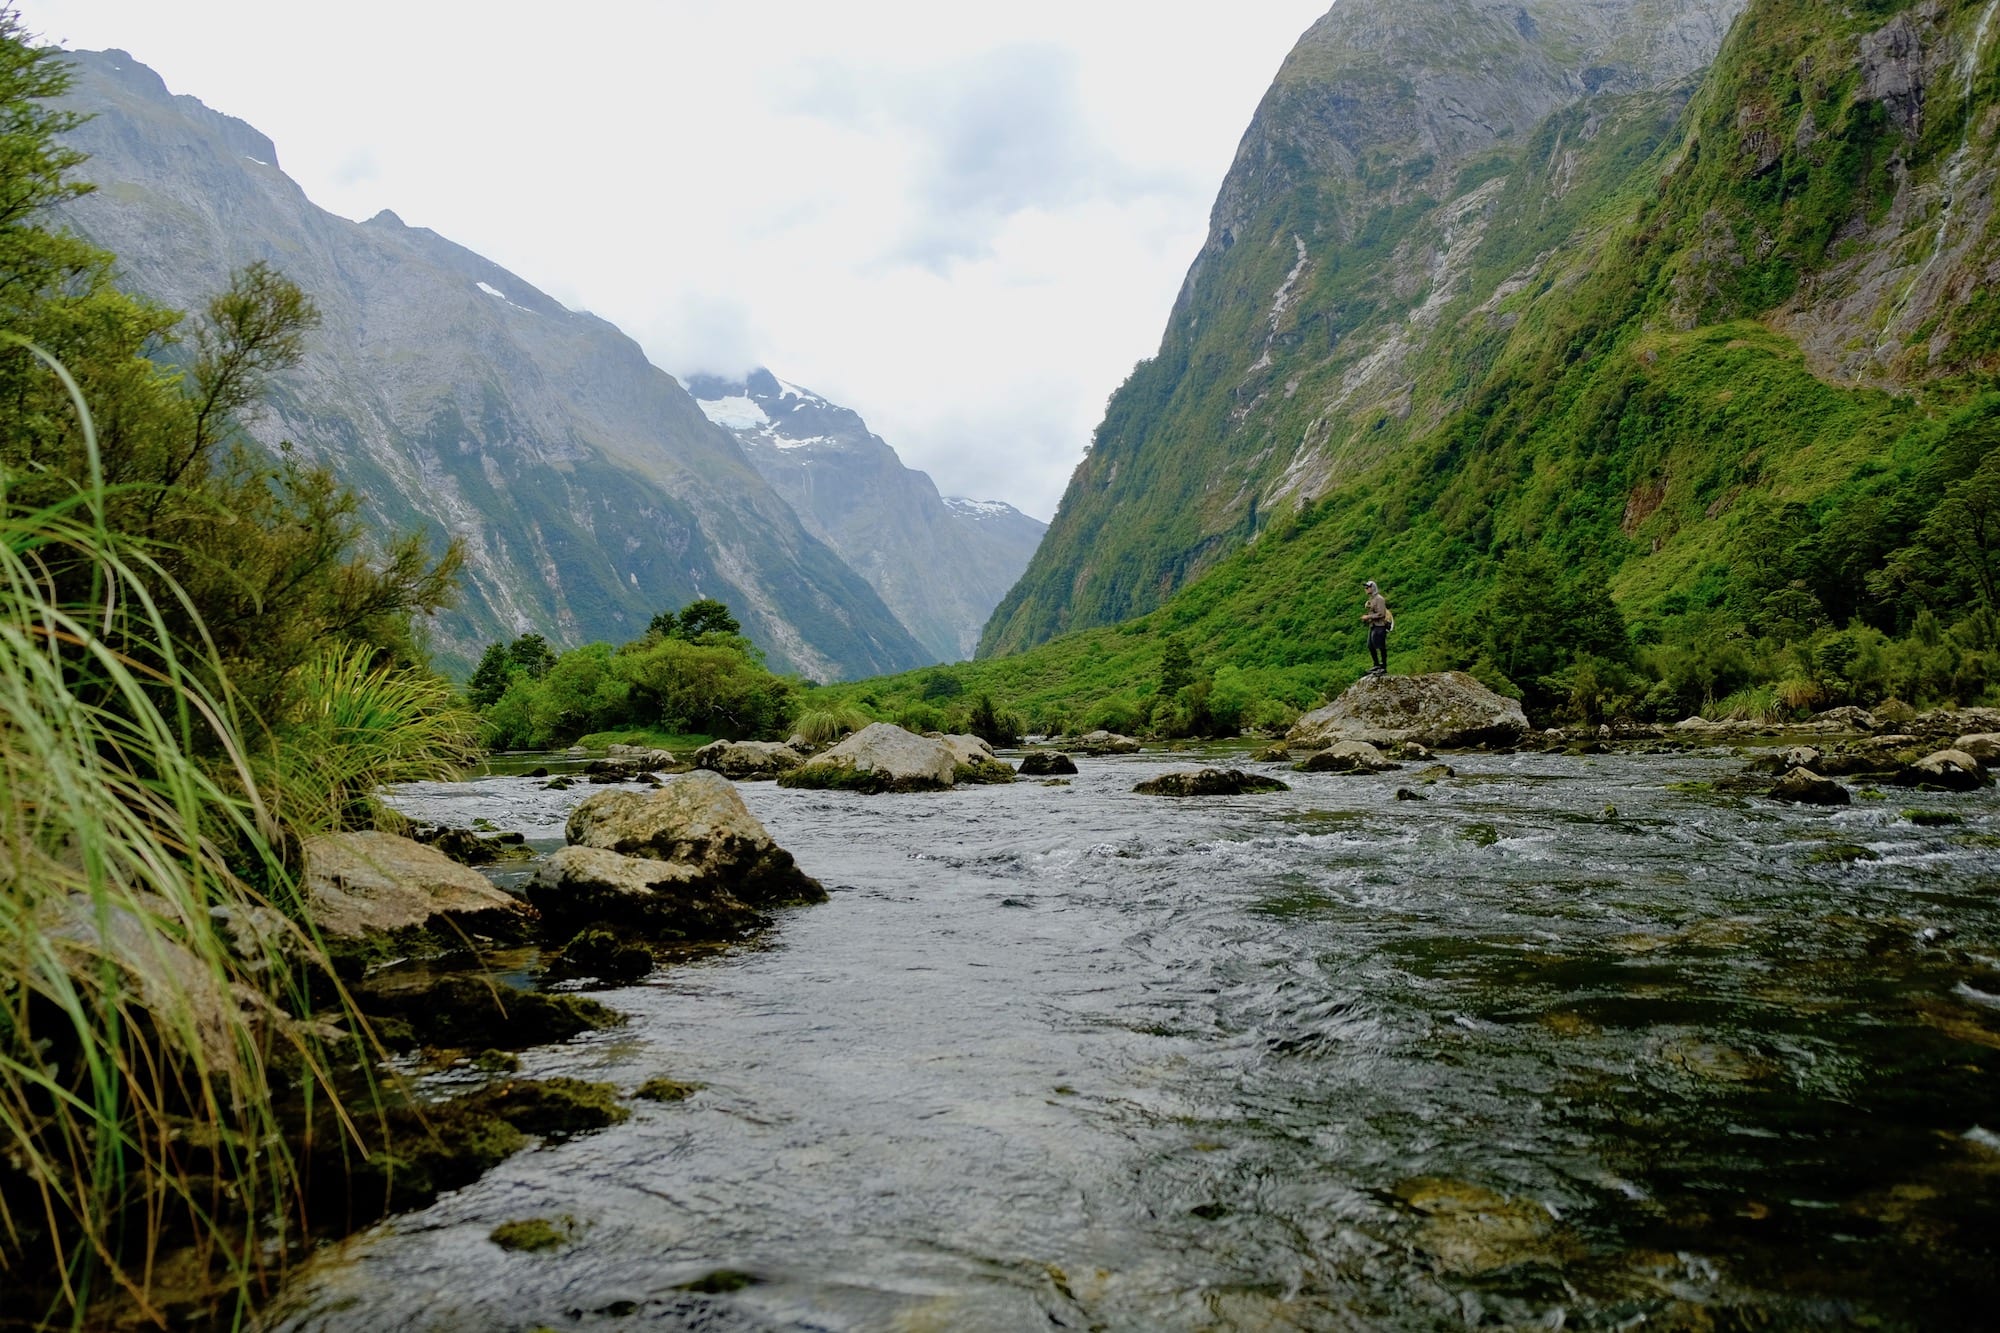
(1379, 623)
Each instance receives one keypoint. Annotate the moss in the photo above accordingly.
(497, 1062)
(551, 1107)
(534, 1235)
(663, 1089)
(842, 777)
(984, 771)
(471, 1013)
(1933, 818)
(597, 951)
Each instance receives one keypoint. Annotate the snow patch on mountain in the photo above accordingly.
(970, 508)
(734, 413)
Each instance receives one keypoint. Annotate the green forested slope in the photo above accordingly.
(1724, 354)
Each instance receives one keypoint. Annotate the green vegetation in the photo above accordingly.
(534, 1235)
(201, 662)
(691, 676)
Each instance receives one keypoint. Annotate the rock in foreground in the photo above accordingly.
(881, 757)
(1209, 782)
(687, 861)
(1446, 709)
(362, 885)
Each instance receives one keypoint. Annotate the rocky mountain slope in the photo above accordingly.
(941, 564)
(590, 489)
(1414, 161)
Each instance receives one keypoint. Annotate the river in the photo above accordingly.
(1574, 1041)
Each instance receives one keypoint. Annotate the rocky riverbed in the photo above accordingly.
(1576, 1039)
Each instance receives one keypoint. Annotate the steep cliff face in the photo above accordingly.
(589, 488)
(941, 565)
(1380, 192)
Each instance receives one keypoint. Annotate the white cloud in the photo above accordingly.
(966, 224)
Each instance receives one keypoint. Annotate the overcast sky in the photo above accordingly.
(965, 222)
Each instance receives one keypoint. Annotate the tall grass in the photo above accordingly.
(139, 1038)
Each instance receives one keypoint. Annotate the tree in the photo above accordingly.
(1176, 668)
(489, 679)
(531, 654)
(706, 616)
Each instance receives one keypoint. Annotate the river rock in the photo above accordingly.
(1984, 746)
(1846, 718)
(366, 884)
(748, 761)
(1046, 763)
(1441, 709)
(1809, 788)
(697, 821)
(658, 900)
(1944, 770)
(1209, 782)
(643, 756)
(1103, 742)
(881, 757)
(1346, 757)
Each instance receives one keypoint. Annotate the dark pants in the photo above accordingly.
(1378, 646)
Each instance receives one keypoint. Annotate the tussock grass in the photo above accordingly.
(144, 986)
(824, 726)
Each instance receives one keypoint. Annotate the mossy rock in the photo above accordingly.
(720, 1282)
(1209, 782)
(868, 781)
(982, 772)
(1933, 818)
(470, 1013)
(1841, 853)
(551, 1107)
(534, 1235)
(598, 951)
(664, 1089)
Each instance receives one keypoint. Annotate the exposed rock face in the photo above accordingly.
(1046, 763)
(748, 760)
(1104, 742)
(590, 490)
(699, 822)
(1444, 709)
(1983, 746)
(1945, 770)
(880, 757)
(1209, 782)
(942, 565)
(657, 900)
(1807, 787)
(362, 884)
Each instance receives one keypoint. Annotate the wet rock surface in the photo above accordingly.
(1807, 787)
(881, 757)
(1346, 757)
(1209, 782)
(378, 885)
(1442, 710)
(1103, 742)
(1046, 763)
(748, 761)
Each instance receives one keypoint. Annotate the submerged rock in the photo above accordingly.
(1046, 763)
(1346, 757)
(1944, 770)
(472, 1013)
(1209, 782)
(1104, 742)
(363, 885)
(748, 761)
(1809, 788)
(1441, 709)
(881, 757)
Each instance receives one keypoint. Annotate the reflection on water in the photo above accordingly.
(1071, 1057)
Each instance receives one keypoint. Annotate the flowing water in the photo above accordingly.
(1068, 1057)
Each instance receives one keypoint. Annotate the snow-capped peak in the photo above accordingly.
(739, 412)
(959, 504)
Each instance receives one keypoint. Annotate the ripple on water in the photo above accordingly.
(1073, 1057)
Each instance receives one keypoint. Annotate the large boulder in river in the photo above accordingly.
(1809, 788)
(367, 884)
(1209, 782)
(880, 757)
(659, 900)
(748, 761)
(1046, 763)
(973, 761)
(1346, 757)
(1945, 770)
(1104, 742)
(1447, 709)
(1981, 745)
(697, 821)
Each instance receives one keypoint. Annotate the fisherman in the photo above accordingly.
(1379, 623)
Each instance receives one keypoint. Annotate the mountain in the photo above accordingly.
(941, 564)
(589, 489)
(1683, 394)
(1389, 183)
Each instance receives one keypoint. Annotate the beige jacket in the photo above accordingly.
(1378, 611)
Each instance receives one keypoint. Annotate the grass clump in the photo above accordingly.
(824, 726)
